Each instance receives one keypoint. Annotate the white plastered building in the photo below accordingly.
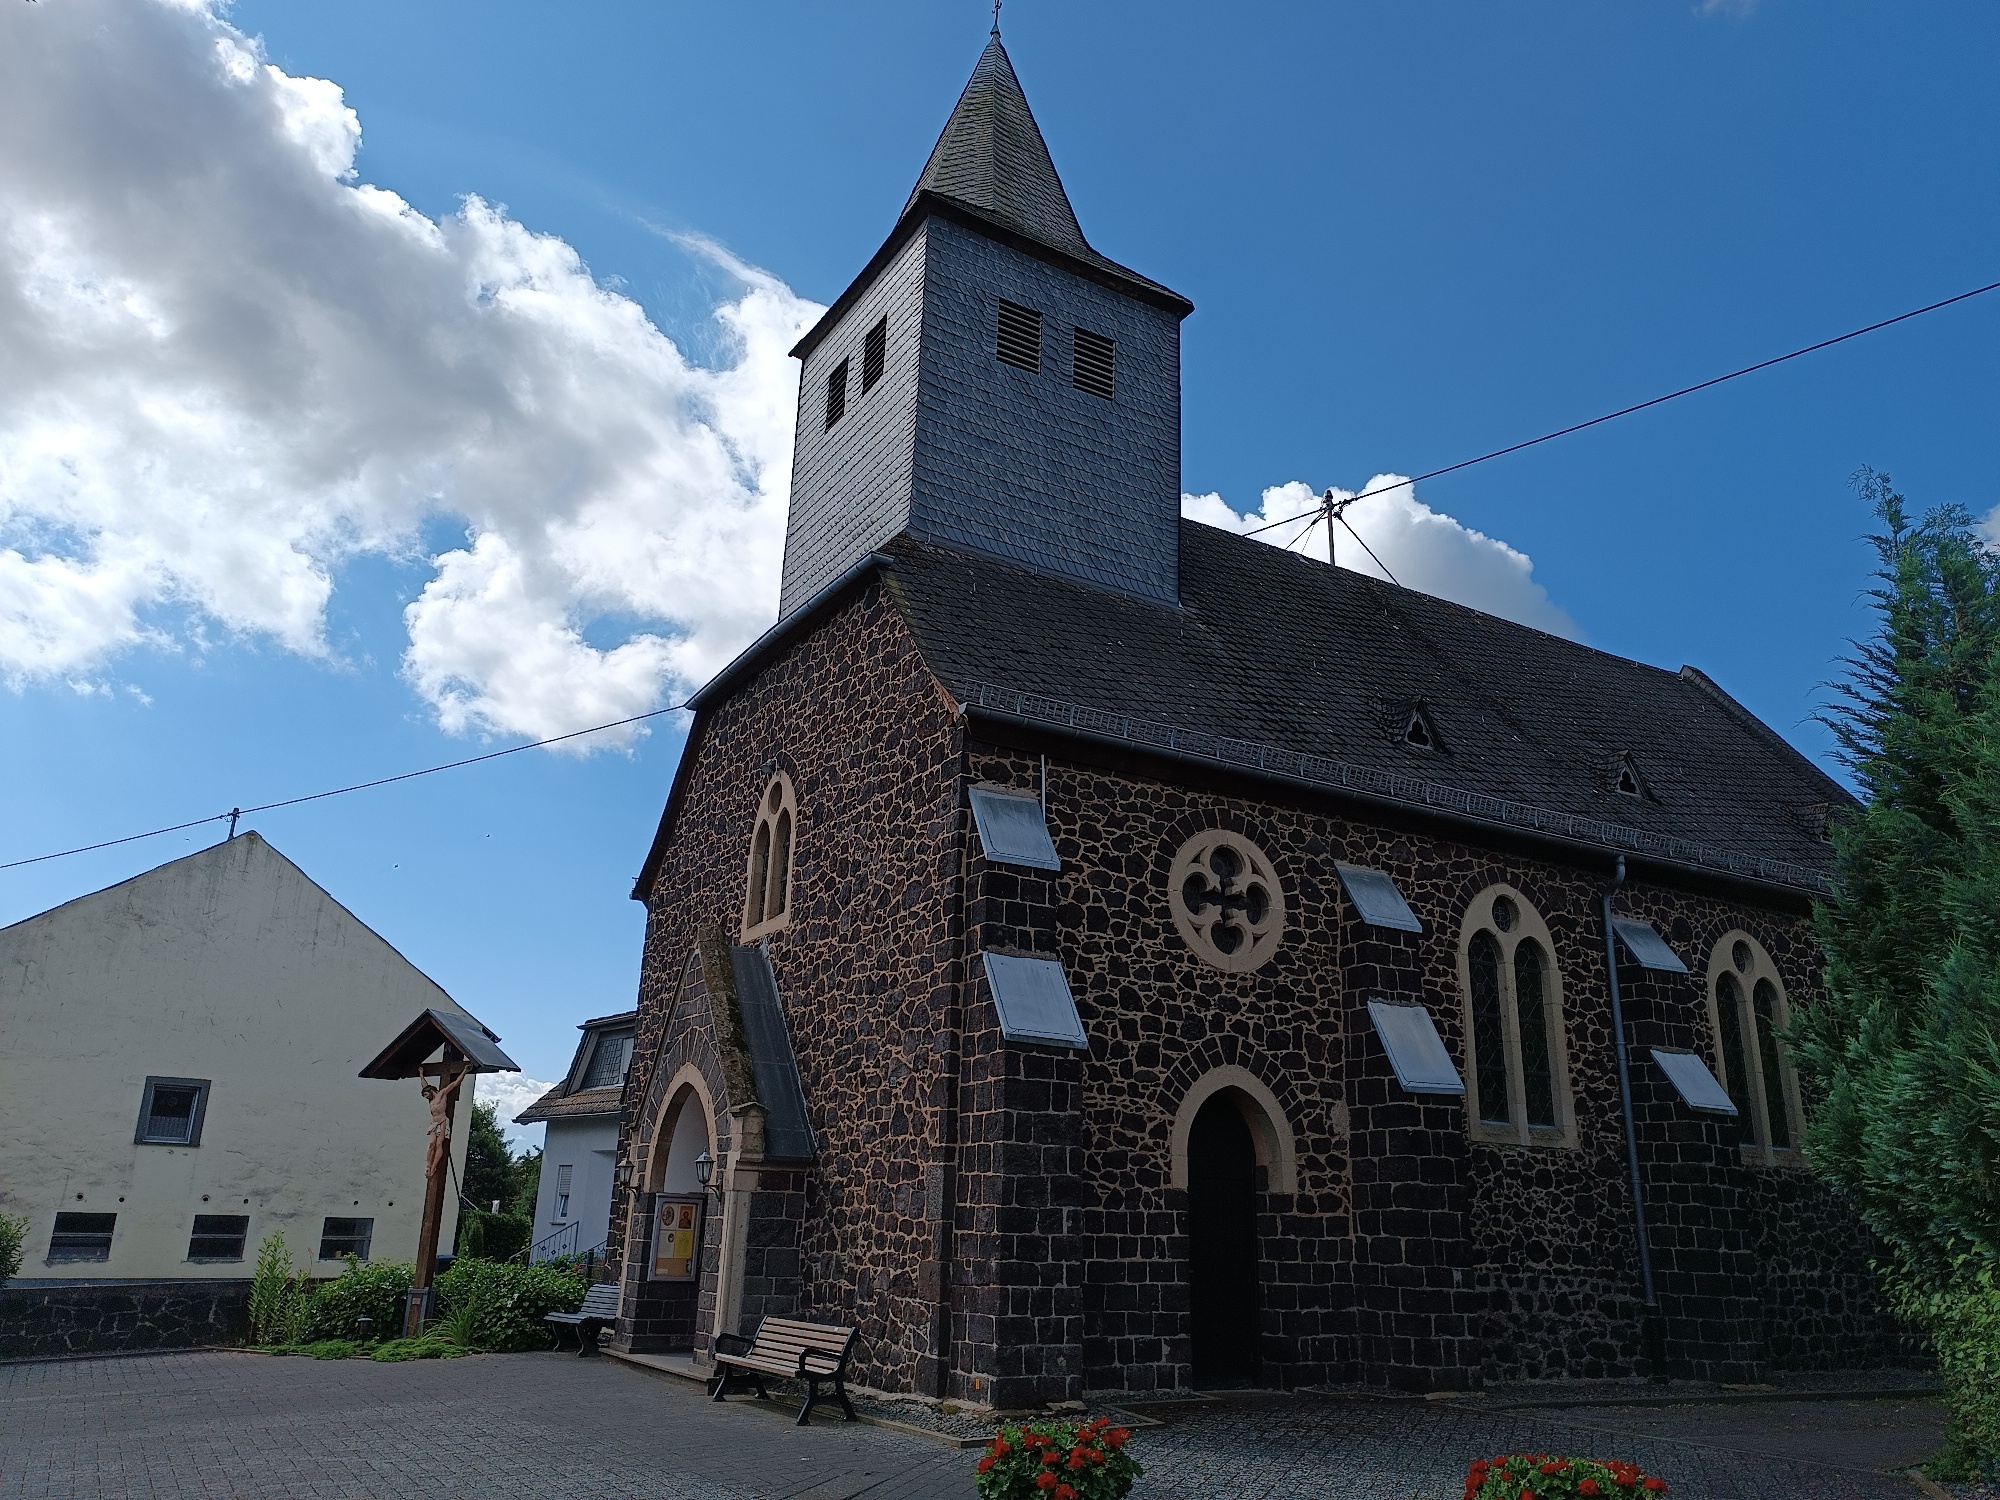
(178, 1077)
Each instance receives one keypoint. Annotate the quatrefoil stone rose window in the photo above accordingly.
(1226, 901)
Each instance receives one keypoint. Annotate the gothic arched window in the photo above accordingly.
(767, 901)
(1518, 1069)
(1748, 1010)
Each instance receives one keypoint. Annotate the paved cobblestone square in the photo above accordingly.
(216, 1424)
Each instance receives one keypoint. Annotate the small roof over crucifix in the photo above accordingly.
(434, 1029)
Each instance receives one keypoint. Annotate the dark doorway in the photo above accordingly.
(1222, 1246)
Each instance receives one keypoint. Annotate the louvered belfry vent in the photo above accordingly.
(874, 352)
(1093, 363)
(1020, 341)
(836, 394)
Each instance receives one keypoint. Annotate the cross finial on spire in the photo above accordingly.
(996, 17)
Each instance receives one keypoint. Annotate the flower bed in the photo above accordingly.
(1058, 1461)
(1544, 1476)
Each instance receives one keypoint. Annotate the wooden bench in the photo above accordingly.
(808, 1352)
(599, 1310)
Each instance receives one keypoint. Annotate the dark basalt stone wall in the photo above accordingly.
(121, 1317)
(999, 1219)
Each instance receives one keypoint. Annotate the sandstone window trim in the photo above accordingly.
(767, 898)
(1227, 900)
(1748, 1011)
(1517, 1087)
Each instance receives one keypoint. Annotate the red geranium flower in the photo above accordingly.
(1046, 1480)
(1656, 1484)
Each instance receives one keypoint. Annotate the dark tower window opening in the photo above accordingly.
(836, 394)
(1418, 732)
(874, 353)
(1020, 338)
(1627, 782)
(1093, 363)
(1222, 1246)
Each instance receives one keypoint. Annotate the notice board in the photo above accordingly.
(677, 1219)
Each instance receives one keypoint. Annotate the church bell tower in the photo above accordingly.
(990, 383)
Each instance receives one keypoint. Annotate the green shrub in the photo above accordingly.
(332, 1349)
(397, 1350)
(499, 1308)
(1546, 1476)
(1085, 1461)
(13, 1232)
(374, 1290)
(280, 1298)
(490, 1236)
(1964, 1325)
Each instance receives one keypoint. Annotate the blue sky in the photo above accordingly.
(1411, 234)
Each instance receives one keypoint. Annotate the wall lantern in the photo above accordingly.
(704, 1168)
(625, 1174)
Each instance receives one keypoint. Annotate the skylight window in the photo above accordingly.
(1376, 899)
(1693, 1082)
(1033, 998)
(1416, 1052)
(1013, 829)
(1648, 949)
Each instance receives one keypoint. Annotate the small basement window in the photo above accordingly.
(81, 1237)
(1020, 338)
(836, 394)
(1013, 829)
(1093, 363)
(339, 1238)
(218, 1237)
(874, 354)
(1034, 1001)
(171, 1112)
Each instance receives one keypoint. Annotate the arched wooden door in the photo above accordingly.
(1222, 1246)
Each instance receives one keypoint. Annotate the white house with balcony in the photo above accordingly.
(580, 1152)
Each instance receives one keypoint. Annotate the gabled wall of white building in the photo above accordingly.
(231, 966)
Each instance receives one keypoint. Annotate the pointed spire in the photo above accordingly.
(992, 158)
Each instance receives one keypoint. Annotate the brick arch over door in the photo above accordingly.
(1270, 1128)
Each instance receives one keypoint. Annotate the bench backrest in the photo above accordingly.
(788, 1337)
(601, 1301)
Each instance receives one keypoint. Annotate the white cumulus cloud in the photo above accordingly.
(1422, 548)
(509, 1094)
(228, 367)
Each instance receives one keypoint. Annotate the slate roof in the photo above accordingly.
(556, 1105)
(1313, 672)
(992, 169)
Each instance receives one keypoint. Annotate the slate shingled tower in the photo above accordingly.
(1053, 441)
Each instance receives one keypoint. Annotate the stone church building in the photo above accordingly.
(1088, 950)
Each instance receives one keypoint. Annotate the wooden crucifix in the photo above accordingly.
(441, 1048)
(441, 1085)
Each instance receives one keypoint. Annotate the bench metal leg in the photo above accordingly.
(813, 1398)
(586, 1339)
(729, 1381)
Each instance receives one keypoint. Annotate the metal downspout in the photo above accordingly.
(1625, 1096)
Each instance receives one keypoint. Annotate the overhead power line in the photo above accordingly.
(1626, 411)
(1323, 512)
(234, 813)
